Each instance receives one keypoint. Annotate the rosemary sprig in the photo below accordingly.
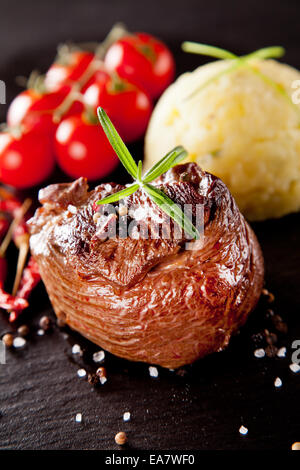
(171, 159)
(205, 49)
(274, 52)
(171, 209)
(158, 197)
(236, 62)
(117, 143)
(120, 194)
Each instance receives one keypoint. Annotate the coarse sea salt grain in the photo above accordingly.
(126, 416)
(76, 349)
(72, 209)
(123, 210)
(153, 371)
(278, 382)
(281, 352)
(259, 353)
(103, 380)
(81, 373)
(295, 367)
(99, 356)
(41, 332)
(78, 418)
(96, 217)
(243, 430)
(19, 342)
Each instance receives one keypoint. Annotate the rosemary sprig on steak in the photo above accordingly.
(171, 159)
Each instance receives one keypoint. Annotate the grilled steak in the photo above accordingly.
(148, 298)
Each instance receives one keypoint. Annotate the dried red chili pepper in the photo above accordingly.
(10, 302)
(18, 231)
(21, 239)
(4, 225)
(7, 301)
(16, 210)
(20, 236)
(29, 280)
(26, 279)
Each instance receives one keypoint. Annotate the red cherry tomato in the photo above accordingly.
(128, 107)
(98, 77)
(82, 149)
(142, 60)
(70, 70)
(35, 110)
(26, 160)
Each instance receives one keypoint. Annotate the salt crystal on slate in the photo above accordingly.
(81, 373)
(41, 332)
(19, 342)
(76, 349)
(278, 382)
(281, 352)
(295, 367)
(243, 430)
(126, 416)
(72, 209)
(259, 353)
(78, 418)
(153, 371)
(99, 356)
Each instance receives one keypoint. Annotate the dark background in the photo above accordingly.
(31, 30)
(204, 408)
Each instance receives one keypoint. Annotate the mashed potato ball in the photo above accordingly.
(239, 127)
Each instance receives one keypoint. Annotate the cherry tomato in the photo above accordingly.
(82, 149)
(25, 160)
(35, 110)
(127, 106)
(71, 69)
(98, 77)
(142, 60)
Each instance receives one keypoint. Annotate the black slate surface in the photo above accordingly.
(40, 392)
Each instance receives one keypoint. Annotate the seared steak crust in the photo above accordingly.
(148, 299)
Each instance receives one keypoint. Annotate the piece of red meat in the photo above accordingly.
(148, 299)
